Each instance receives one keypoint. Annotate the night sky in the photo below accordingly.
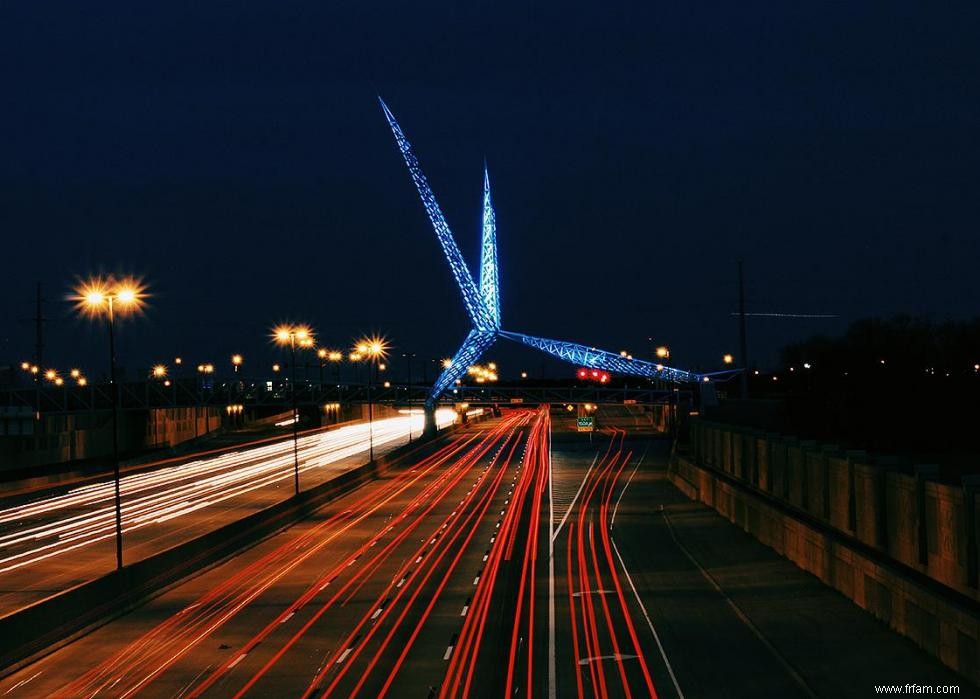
(234, 155)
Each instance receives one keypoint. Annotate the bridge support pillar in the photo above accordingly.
(429, 423)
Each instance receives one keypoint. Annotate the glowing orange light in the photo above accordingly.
(301, 335)
(373, 347)
(98, 295)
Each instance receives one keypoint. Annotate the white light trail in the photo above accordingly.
(53, 526)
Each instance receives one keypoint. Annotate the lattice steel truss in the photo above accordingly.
(600, 359)
(476, 308)
(483, 304)
(489, 282)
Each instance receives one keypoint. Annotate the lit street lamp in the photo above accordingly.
(321, 354)
(107, 297)
(409, 356)
(293, 335)
(372, 349)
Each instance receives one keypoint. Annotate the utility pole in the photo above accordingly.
(742, 348)
(39, 331)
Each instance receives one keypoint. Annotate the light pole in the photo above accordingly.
(336, 357)
(321, 354)
(292, 335)
(409, 356)
(372, 349)
(107, 296)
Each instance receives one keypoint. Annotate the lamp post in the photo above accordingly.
(106, 297)
(292, 335)
(336, 357)
(409, 356)
(321, 355)
(372, 349)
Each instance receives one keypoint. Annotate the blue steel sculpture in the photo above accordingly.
(483, 303)
(476, 307)
(489, 283)
(600, 359)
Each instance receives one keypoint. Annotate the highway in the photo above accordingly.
(57, 539)
(518, 558)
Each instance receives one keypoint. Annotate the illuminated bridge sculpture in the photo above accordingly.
(482, 302)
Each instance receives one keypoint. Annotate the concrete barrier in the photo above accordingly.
(899, 544)
(50, 623)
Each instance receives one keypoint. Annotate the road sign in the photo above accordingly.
(516, 400)
(586, 423)
(629, 401)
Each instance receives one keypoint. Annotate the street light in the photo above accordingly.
(107, 296)
(728, 359)
(291, 336)
(372, 349)
(409, 356)
(159, 371)
(236, 361)
(321, 354)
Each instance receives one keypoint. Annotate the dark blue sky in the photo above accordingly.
(234, 154)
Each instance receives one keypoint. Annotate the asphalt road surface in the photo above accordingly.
(518, 559)
(54, 540)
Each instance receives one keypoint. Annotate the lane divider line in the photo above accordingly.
(790, 670)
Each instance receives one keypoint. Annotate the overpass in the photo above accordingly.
(144, 395)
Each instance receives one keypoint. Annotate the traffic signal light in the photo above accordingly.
(596, 375)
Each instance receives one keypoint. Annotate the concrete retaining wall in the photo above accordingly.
(66, 438)
(900, 545)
